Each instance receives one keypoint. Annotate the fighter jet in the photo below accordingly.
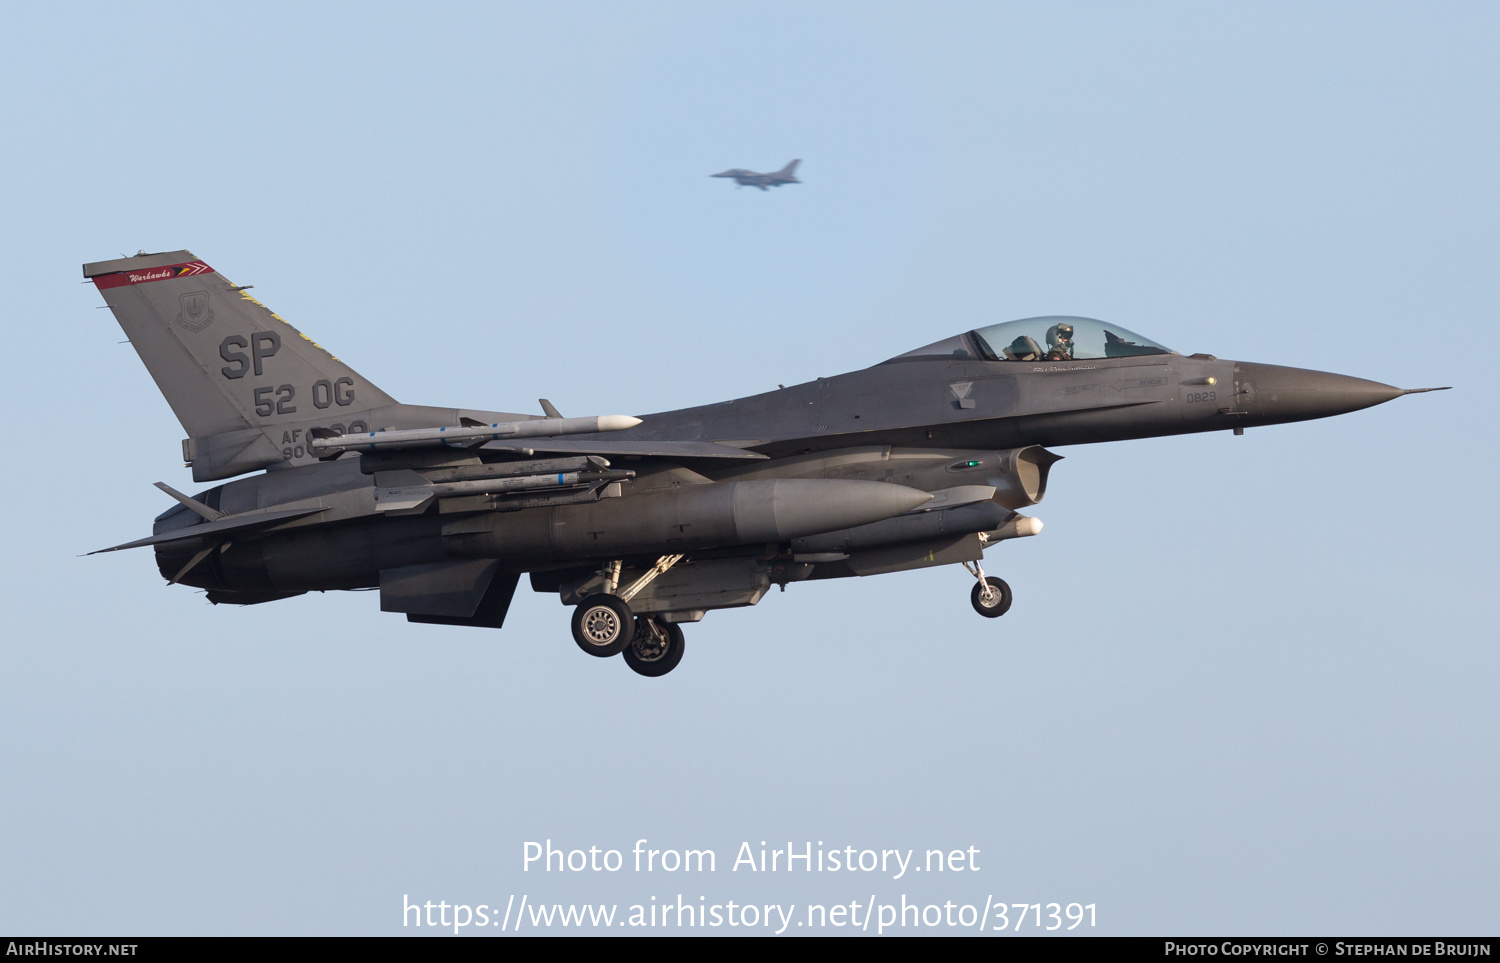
(744, 178)
(640, 523)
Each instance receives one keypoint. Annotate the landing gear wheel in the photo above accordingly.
(602, 625)
(991, 598)
(655, 649)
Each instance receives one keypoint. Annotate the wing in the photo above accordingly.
(224, 526)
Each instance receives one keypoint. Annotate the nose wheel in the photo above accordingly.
(991, 596)
(655, 648)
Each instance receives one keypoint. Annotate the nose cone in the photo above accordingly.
(1270, 394)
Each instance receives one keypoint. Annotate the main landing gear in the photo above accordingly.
(603, 625)
(656, 647)
(991, 597)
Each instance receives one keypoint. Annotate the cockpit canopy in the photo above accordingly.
(1042, 339)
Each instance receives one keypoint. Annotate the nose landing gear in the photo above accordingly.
(991, 597)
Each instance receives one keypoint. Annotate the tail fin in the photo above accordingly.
(221, 358)
(790, 170)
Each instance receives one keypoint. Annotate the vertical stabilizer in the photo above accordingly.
(223, 360)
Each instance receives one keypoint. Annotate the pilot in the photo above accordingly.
(1060, 342)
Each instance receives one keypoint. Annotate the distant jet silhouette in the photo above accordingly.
(744, 178)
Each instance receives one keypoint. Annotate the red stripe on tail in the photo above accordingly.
(122, 278)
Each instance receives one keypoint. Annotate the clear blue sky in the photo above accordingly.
(1247, 685)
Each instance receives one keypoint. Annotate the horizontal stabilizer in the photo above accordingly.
(224, 526)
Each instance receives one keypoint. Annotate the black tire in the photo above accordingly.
(603, 625)
(998, 605)
(651, 655)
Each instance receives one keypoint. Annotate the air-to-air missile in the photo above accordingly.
(640, 523)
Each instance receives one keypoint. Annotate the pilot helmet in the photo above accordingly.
(1059, 334)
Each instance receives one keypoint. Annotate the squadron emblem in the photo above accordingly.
(195, 314)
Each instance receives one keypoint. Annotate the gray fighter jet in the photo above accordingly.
(744, 178)
(640, 523)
